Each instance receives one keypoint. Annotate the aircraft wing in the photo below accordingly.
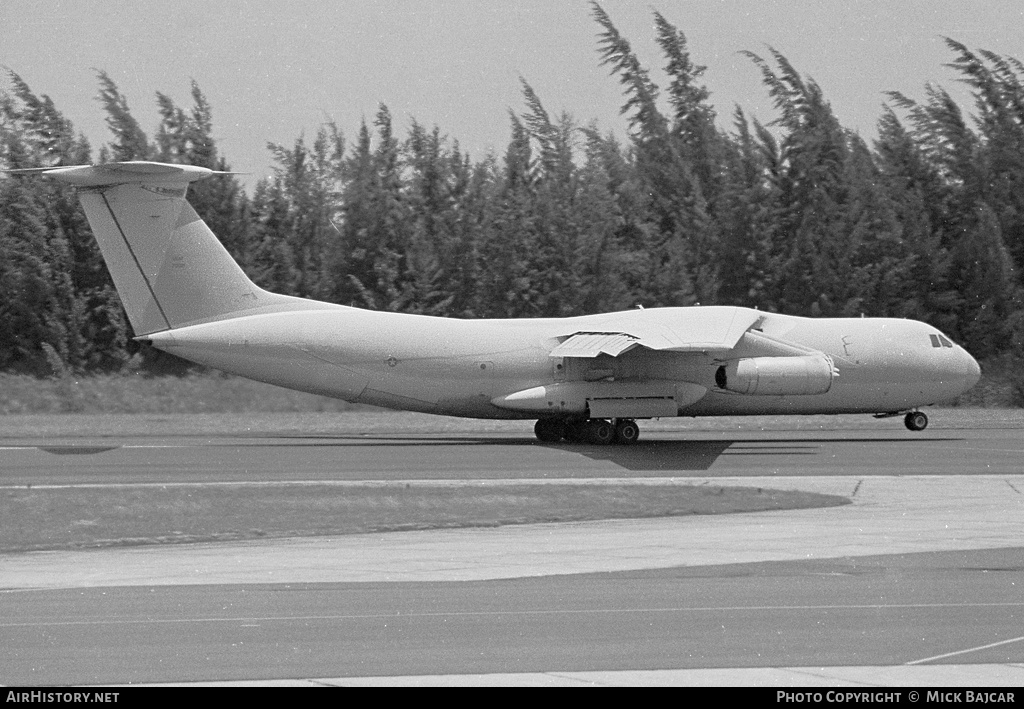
(708, 329)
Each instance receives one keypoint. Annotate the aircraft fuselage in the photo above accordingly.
(461, 367)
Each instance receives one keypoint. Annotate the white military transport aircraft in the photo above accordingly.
(586, 378)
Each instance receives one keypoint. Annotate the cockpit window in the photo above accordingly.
(940, 341)
(945, 342)
(935, 341)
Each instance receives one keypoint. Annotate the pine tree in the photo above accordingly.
(973, 199)
(508, 243)
(81, 306)
(917, 191)
(48, 137)
(986, 278)
(821, 193)
(558, 257)
(435, 181)
(684, 239)
(998, 84)
(35, 294)
(130, 142)
(748, 207)
(601, 217)
(272, 262)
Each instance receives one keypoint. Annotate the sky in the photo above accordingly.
(273, 70)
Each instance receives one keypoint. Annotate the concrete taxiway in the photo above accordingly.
(924, 569)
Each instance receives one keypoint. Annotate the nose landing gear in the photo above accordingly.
(916, 421)
(596, 431)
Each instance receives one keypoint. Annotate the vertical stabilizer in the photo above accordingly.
(169, 268)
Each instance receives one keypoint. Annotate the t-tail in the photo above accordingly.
(167, 265)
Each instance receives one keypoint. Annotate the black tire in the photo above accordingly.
(626, 431)
(916, 421)
(575, 431)
(600, 432)
(549, 430)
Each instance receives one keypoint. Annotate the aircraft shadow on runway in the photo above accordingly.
(701, 455)
(659, 455)
(651, 455)
(645, 455)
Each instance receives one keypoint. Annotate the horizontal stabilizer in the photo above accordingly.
(119, 173)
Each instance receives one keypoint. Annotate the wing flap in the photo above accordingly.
(699, 329)
(593, 344)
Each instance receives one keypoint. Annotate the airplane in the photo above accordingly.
(585, 379)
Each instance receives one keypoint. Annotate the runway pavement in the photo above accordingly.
(923, 570)
(502, 456)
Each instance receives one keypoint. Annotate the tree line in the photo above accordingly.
(798, 215)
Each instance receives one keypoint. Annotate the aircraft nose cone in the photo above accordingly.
(972, 371)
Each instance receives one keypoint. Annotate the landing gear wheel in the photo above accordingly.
(549, 430)
(600, 432)
(575, 431)
(916, 421)
(626, 431)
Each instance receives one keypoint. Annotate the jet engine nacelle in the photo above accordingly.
(778, 376)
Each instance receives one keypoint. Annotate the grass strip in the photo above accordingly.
(35, 519)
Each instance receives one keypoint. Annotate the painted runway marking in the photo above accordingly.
(584, 611)
(964, 652)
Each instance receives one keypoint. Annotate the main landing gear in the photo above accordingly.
(598, 431)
